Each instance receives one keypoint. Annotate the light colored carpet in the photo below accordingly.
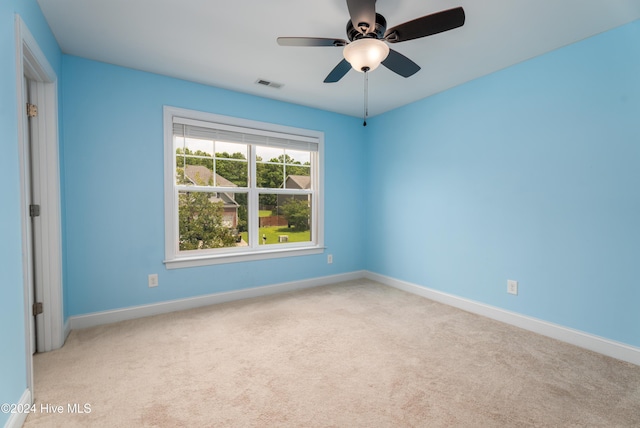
(355, 354)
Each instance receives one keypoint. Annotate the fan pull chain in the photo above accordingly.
(366, 95)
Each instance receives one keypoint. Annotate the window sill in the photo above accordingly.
(193, 261)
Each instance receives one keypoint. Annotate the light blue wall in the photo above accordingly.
(113, 169)
(531, 174)
(12, 345)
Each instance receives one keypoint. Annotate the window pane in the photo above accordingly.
(269, 154)
(211, 220)
(194, 162)
(196, 172)
(196, 147)
(231, 173)
(231, 150)
(284, 218)
(298, 177)
(270, 175)
(298, 157)
(297, 169)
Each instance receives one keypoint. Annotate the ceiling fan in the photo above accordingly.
(367, 33)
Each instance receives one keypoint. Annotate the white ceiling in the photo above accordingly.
(231, 44)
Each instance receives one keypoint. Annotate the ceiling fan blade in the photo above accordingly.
(310, 41)
(400, 64)
(426, 25)
(338, 72)
(363, 12)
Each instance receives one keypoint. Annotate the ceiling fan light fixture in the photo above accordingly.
(365, 54)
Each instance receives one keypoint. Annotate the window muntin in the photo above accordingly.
(232, 186)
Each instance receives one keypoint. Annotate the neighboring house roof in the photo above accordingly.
(298, 182)
(201, 175)
(226, 199)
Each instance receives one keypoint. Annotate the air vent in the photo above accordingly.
(269, 83)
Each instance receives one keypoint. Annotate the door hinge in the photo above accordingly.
(37, 308)
(32, 110)
(34, 210)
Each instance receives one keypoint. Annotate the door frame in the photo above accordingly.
(31, 62)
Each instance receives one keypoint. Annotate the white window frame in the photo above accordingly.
(181, 259)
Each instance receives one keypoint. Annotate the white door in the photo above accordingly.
(34, 227)
(29, 225)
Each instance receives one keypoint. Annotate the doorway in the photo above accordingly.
(36, 83)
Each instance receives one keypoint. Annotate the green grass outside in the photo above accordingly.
(272, 234)
(264, 213)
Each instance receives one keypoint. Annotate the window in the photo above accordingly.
(238, 190)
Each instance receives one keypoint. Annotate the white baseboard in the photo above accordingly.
(107, 317)
(588, 341)
(16, 420)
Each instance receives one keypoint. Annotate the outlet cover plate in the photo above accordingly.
(153, 280)
(512, 287)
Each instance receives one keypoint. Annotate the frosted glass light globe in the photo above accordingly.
(366, 54)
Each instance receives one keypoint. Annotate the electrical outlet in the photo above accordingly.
(153, 280)
(512, 287)
(329, 258)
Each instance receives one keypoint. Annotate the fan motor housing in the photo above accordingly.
(378, 32)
